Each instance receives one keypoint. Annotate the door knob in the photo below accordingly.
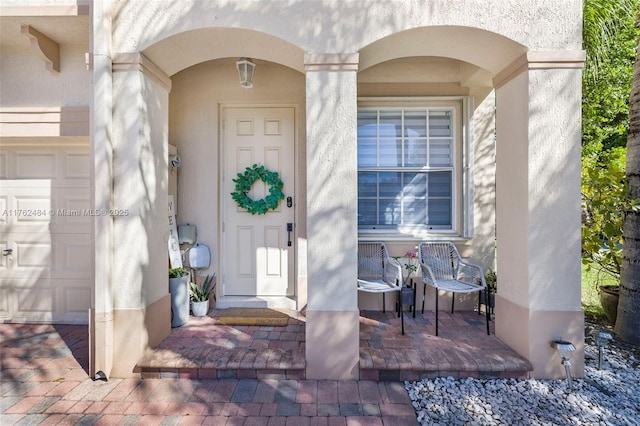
(7, 252)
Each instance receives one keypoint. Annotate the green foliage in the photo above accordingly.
(200, 293)
(610, 38)
(491, 278)
(178, 272)
(592, 279)
(603, 203)
(245, 181)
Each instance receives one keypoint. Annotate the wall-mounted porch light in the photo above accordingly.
(565, 349)
(245, 67)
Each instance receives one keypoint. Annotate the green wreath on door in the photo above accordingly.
(245, 181)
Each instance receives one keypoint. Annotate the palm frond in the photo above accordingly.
(602, 19)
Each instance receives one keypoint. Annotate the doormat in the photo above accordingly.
(252, 316)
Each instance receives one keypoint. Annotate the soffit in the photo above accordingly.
(426, 69)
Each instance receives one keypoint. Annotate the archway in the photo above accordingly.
(180, 51)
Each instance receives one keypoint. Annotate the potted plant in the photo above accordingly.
(609, 295)
(410, 266)
(200, 296)
(608, 285)
(179, 289)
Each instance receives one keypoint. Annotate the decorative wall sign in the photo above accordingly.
(175, 258)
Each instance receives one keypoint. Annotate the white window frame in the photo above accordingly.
(462, 154)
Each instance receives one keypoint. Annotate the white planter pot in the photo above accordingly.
(200, 309)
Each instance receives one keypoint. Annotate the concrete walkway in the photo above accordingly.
(44, 380)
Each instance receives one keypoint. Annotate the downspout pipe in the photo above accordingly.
(101, 162)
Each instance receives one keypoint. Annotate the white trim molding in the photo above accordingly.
(463, 190)
(30, 122)
(136, 61)
(540, 59)
(82, 7)
(331, 62)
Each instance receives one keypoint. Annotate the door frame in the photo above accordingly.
(222, 107)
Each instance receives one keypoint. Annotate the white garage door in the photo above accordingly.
(45, 234)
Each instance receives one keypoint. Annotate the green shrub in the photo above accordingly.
(178, 272)
(200, 293)
(603, 203)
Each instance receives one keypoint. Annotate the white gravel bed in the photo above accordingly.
(610, 396)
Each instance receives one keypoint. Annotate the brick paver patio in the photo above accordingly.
(44, 380)
(253, 375)
(202, 349)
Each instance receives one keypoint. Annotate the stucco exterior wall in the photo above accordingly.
(140, 229)
(140, 187)
(537, 205)
(554, 151)
(538, 215)
(484, 175)
(542, 24)
(25, 81)
(24, 78)
(514, 185)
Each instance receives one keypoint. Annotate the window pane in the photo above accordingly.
(415, 124)
(440, 184)
(415, 185)
(368, 124)
(439, 212)
(390, 184)
(439, 204)
(415, 211)
(390, 153)
(415, 152)
(367, 152)
(439, 123)
(402, 198)
(440, 152)
(390, 124)
(367, 130)
(367, 138)
(367, 184)
(390, 212)
(367, 213)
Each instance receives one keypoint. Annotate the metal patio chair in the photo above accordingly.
(443, 269)
(377, 271)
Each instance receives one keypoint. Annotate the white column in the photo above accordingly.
(141, 304)
(332, 330)
(538, 209)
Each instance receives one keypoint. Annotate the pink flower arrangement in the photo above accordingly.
(410, 266)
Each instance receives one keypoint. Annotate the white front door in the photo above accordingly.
(258, 250)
